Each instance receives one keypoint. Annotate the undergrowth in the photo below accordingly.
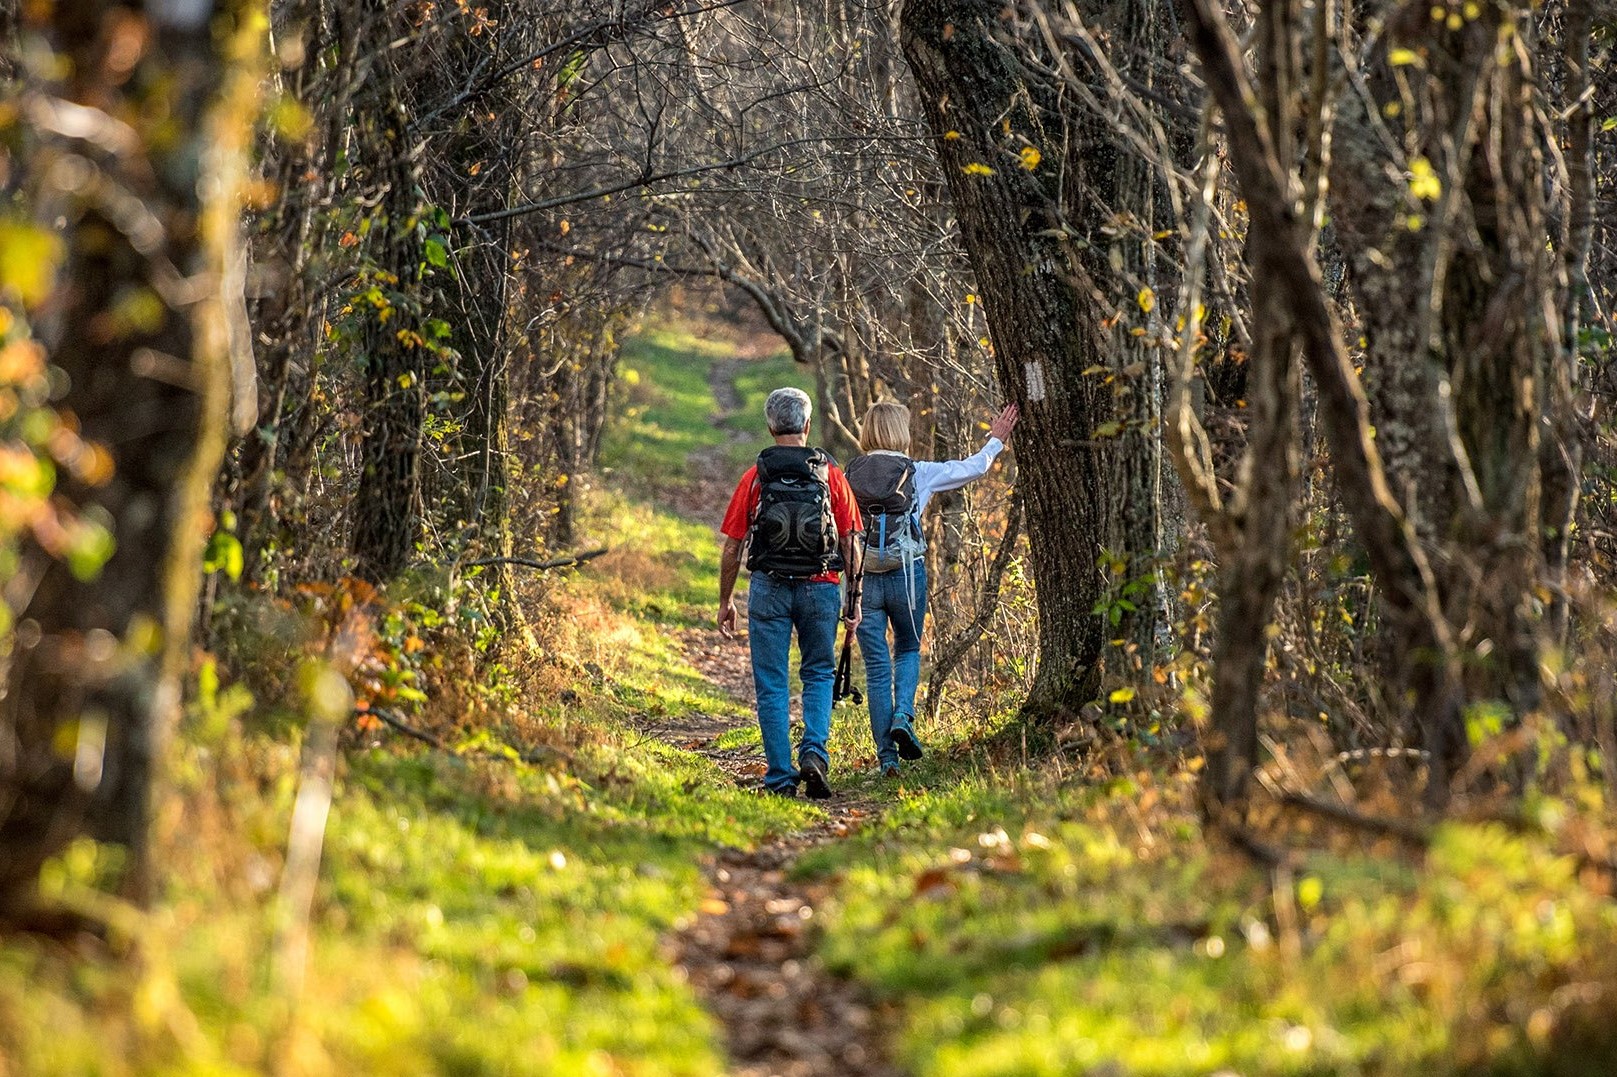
(476, 913)
(1039, 923)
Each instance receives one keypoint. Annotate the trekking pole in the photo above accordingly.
(842, 687)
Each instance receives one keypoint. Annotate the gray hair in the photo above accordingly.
(787, 411)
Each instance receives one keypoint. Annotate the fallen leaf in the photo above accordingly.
(935, 883)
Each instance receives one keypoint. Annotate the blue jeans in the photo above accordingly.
(890, 681)
(774, 607)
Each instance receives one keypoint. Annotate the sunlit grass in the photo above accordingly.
(664, 410)
(1038, 927)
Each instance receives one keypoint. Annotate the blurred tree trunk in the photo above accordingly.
(94, 684)
(387, 502)
(1281, 237)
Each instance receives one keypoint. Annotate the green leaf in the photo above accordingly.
(90, 547)
(437, 253)
(224, 554)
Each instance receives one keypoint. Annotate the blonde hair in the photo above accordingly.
(886, 426)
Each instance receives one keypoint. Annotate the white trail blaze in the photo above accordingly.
(1035, 379)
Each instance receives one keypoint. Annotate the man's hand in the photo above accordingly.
(729, 567)
(851, 615)
(1004, 423)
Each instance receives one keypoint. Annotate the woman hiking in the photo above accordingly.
(892, 491)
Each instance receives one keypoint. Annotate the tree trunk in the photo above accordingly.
(99, 667)
(1472, 391)
(387, 504)
(983, 106)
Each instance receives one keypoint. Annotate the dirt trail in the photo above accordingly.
(750, 953)
(709, 476)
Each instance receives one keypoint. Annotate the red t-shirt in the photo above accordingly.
(744, 502)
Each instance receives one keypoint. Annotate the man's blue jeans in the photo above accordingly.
(890, 681)
(775, 606)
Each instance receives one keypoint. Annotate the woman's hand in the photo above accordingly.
(1004, 423)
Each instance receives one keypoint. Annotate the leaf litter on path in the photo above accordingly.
(750, 952)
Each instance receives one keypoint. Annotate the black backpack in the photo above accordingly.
(884, 486)
(793, 532)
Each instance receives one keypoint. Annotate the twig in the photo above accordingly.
(531, 756)
(1412, 833)
(951, 653)
(404, 727)
(1259, 852)
(556, 562)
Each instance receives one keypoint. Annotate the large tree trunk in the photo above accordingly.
(983, 106)
(99, 668)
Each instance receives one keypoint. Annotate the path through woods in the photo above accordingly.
(750, 952)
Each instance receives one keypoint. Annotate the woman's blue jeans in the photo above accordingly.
(775, 606)
(891, 680)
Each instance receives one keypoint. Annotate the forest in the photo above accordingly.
(375, 376)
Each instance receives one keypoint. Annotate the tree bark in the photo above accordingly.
(99, 666)
(1472, 386)
(387, 504)
(982, 105)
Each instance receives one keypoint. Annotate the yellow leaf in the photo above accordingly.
(1423, 181)
(1121, 695)
(1030, 158)
(1405, 57)
(977, 168)
(28, 259)
(951, 136)
(1147, 299)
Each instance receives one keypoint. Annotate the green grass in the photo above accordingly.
(754, 382)
(1035, 927)
(664, 411)
(660, 567)
(474, 917)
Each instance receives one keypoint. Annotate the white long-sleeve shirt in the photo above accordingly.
(941, 476)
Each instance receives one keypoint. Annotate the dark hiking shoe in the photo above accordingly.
(904, 740)
(815, 783)
(890, 772)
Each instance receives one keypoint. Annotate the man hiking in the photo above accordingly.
(795, 515)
